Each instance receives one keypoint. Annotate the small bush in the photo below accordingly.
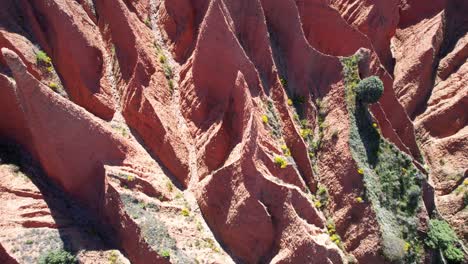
(165, 253)
(284, 82)
(370, 90)
(42, 58)
(286, 150)
(318, 204)
(290, 102)
(359, 200)
(185, 212)
(58, 257)
(305, 133)
(265, 119)
(441, 236)
(169, 186)
(281, 162)
(322, 190)
(113, 257)
(54, 86)
(148, 22)
(453, 254)
(162, 58)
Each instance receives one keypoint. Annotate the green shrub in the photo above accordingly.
(185, 212)
(286, 150)
(453, 254)
(281, 162)
(58, 257)
(165, 253)
(42, 58)
(441, 236)
(162, 58)
(54, 86)
(369, 90)
(284, 82)
(305, 133)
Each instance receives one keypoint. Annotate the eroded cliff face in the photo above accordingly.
(222, 131)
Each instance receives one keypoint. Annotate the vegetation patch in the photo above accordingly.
(281, 162)
(58, 257)
(168, 73)
(43, 59)
(442, 237)
(392, 181)
(270, 118)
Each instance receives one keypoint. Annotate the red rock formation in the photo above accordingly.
(443, 132)
(247, 184)
(321, 29)
(355, 222)
(77, 50)
(5, 258)
(177, 18)
(23, 47)
(146, 96)
(47, 116)
(199, 115)
(395, 126)
(376, 19)
(413, 71)
(413, 11)
(14, 125)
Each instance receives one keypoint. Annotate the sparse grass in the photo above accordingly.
(271, 119)
(169, 186)
(211, 244)
(168, 73)
(281, 162)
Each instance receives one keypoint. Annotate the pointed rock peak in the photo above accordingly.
(13, 61)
